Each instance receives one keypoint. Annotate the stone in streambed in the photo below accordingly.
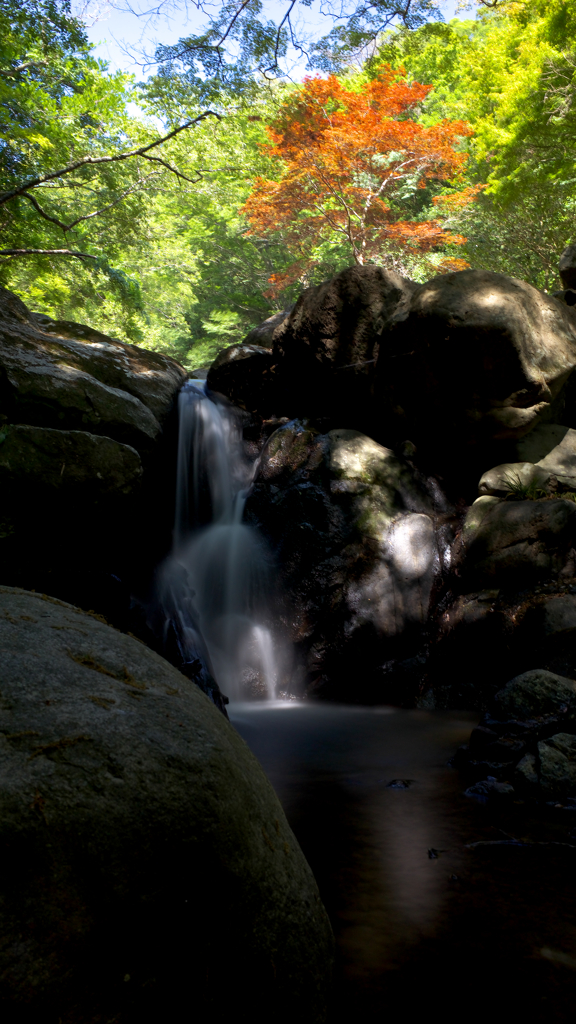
(557, 763)
(533, 694)
(144, 854)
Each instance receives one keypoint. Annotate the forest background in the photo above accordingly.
(177, 245)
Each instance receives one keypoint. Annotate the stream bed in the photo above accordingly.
(427, 926)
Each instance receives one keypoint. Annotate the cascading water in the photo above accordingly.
(215, 589)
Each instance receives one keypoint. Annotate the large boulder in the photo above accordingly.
(325, 351)
(70, 377)
(535, 694)
(40, 463)
(148, 871)
(87, 453)
(360, 538)
(243, 374)
(477, 357)
(516, 542)
(263, 334)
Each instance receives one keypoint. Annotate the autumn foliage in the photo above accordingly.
(352, 157)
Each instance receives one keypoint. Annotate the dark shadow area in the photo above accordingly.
(427, 927)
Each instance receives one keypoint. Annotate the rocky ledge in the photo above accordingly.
(86, 455)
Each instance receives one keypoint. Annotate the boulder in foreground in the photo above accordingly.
(148, 871)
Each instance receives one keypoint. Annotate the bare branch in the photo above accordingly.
(95, 213)
(47, 216)
(7, 72)
(158, 160)
(47, 252)
(92, 161)
(232, 22)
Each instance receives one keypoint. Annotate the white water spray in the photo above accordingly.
(215, 588)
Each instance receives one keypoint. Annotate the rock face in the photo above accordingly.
(360, 538)
(263, 334)
(567, 266)
(326, 350)
(243, 374)
(517, 541)
(69, 377)
(145, 856)
(477, 357)
(86, 456)
(37, 462)
(557, 466)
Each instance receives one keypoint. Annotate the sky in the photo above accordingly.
(115, 31)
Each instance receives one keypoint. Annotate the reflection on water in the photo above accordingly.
(424, 925)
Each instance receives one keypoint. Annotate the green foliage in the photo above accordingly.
(167, 261)
(512, 75)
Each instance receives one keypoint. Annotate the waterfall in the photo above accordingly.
(215, 589)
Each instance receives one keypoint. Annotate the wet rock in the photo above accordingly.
(490, 789)
(357, 533)
(557, 757)
(518, 541)
(243, 374)
(143, 850)
(513, 346)
(533, 694)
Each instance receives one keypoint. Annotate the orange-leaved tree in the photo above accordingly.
(354, 164)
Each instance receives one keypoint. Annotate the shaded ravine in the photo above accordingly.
(425, 926)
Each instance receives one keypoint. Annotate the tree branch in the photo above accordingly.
(47, 252)
(7, 72)
(90, 160)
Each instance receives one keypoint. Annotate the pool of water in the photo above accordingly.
(428, 927)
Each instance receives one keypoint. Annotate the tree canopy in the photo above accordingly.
(355, 167)
(181, 210)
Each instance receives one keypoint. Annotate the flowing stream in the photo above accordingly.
(216, 588)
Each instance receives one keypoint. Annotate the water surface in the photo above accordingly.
(426, 928)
